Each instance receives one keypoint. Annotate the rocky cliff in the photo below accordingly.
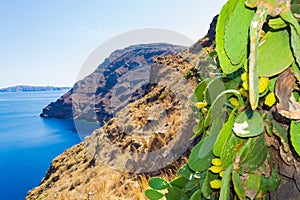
(93, 97)
(148, 136)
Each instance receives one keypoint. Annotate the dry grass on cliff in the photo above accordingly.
(76, 174)
(101, 183)
(108, 184)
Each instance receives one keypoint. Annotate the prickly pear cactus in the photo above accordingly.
(258, 48)
(235, 40)
(274, 51)
(270, 51)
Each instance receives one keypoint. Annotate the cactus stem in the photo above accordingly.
(255, 29)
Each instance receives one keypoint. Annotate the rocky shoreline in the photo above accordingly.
(27, 88)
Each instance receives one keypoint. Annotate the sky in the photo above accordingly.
(47, 42)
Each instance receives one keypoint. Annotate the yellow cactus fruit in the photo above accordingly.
(245, 85)
(204, 110)
(201, 105)
(216, 161)
(244, 76)
(215, 184)
(270, 99)
(216, 169)
(221, 173)
(234, 102)
(263, 84)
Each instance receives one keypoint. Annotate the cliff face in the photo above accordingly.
(146, 136)
(93, 97)
(208, 40)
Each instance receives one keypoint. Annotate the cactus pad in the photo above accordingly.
(223, 19)
(274, 53)
(253, 154)
(236, 39)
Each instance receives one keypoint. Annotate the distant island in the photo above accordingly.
(27, 88)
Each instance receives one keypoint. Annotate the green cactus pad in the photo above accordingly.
(252, 185)
(248, 124)
(153, 194)
(253, 154)
(194, 158)
(289, 17)
(223, 19)
(175, 193)
(251, 3)
(236, 39)
(230, 150)
(179, 182)
(196, 195)
(158, 183)
(225, 185)
(256, 27)
(295, 136)
(224, 134)
(238, 185)
(277, 23)
(186, 172)
(295, 42)
(205, 188)
(274, 53)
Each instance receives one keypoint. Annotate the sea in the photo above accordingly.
(28, 143)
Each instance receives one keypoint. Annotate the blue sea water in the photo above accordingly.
(28, 143)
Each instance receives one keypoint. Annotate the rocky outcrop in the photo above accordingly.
(120, 79)
(147, 136)
(208, 40)
(144, 137)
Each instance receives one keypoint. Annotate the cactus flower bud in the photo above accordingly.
(221, 173)
(245, 85)
(216, 161)
(201, 105)
(215, 184)
(244, 76)
(216, 169)
(204, 110)
(270, 99)
(234, 102)
(263, 84)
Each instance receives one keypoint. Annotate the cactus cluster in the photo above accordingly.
(270, 30)
(258, 47)
(224, 164)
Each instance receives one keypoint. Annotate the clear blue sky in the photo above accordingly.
(46, 42)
